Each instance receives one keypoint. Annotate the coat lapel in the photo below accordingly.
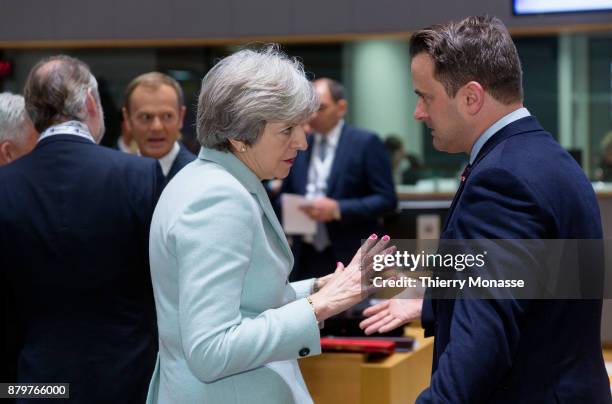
(523, 125)
(340, 156)
(266, 206)
(302, 167)
(453, 203)
(250, 181)
(178, 161)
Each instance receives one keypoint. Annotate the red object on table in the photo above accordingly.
(357, 345)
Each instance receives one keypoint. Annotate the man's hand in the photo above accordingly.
(390, 314)
(322, 209)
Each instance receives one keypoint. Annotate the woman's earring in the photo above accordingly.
(243, 149)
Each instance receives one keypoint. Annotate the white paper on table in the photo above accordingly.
(294, 220)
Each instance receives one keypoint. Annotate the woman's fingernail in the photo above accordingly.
(373, 237)
(385, 238)
(338, 264)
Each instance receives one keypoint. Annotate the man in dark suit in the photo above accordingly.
(154, 110)
(520, 184)
(86, 314)
(346, 175)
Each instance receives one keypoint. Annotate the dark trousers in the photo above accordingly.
(313, 263)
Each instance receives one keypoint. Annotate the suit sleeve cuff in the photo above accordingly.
(311, 338)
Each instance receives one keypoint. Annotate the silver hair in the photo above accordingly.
(56, 91)
(12, 117)
(75, 102)
(247, 89)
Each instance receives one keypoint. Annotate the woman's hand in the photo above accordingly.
(348, 286)
(319, 283)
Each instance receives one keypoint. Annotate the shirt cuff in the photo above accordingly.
(303, 288)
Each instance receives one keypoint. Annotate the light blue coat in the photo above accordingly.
(230, 325)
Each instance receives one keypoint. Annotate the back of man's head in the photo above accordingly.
(17, 136)
(56, 91)
(474, 49)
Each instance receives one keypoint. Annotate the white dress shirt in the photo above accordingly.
(166, 161)
(319, 170)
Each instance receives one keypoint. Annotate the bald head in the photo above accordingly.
(60, 89)
(332, 107)
(17, 134)
(335, 89)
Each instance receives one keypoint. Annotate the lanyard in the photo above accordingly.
(320, 170)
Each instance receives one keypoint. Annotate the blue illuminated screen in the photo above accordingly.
(559, 6)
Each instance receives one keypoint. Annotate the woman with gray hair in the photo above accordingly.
(230, 325)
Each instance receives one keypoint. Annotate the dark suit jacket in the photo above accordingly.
(523, 185)
(360, 179)
(183, 158)
(85, 313)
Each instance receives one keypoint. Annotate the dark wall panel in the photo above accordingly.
(539, 58)
(261, 17)
(198, 19)
(600, 91)
(312, 17)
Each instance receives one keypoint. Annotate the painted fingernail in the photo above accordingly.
(385, 238)
(373, 237)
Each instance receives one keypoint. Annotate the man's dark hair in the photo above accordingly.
(474, 49)
(56, 90)
(336, 90)
(393, 144)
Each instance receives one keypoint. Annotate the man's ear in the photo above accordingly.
(91, 104)
(6, 154)
(473, 97)
(342, 107)
(181, 116)
(126, 118)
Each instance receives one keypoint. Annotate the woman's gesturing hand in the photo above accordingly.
(348, 286)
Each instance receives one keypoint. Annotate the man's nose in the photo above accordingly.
(156, 124)
(419, 112)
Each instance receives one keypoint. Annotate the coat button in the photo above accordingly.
(304, 352)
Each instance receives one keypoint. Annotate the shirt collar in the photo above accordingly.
(493, 129)
(122, 146)
(333, 136)
(167, 160)
(68, 128)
